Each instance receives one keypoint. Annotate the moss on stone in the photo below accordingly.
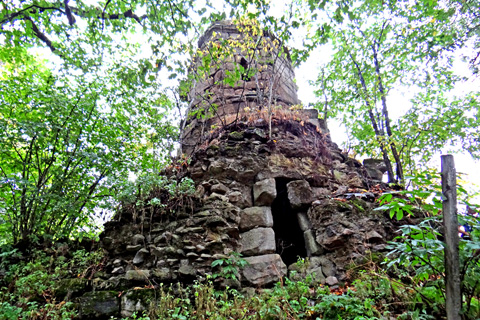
(143, 295)
(213, 147)
(236, 135)
(361, 205)
(75, 286)
(343, 206)
(100, 304)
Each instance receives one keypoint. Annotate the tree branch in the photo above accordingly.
(383, 96)
(40, 35)
(68, 13)
(115, 16)
(21, 14)
(105, 8)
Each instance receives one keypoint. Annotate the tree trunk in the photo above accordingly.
(399, 167)
(378, 133)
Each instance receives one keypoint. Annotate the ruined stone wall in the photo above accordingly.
(273, 196)
(272, 200)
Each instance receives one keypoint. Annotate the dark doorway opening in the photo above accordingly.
(288, 235)
(245, 70)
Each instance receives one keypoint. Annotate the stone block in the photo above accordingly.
(331, 281)
(140, 257)
(136, 301)
(311, 244)
(133, 248)
(373, 237)
(162, 274)
(263, 270)
(264, 192)
(375, 168)
(340, 176)
(118, 270)
(321, 193)
(187, 271)
(317, 274)
(219, 188)
(257, 241)
(117, 262)
(303, 221)
(215, 196)
(216, 167)
(374, 174)
(70, 287)
(300, 194)
(99, 304)
(256, 217)
(138, 239)
(235, 196)
(137, 275)
(355, 181)
(328, 267)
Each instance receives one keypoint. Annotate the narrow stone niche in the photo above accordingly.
(288, 235)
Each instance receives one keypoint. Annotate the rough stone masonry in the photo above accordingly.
(270, 184)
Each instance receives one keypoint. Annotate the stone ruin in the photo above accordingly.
(270, 184)
(250, 72)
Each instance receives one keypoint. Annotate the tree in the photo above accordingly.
(70, 132)
(379, 48)
(65, 142)
(74, 30)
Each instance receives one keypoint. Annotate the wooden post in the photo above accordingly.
(450, 224)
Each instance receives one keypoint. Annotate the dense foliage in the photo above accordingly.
(383, 49)
(65, 142)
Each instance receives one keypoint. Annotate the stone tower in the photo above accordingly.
(238, 69)
(270, 185)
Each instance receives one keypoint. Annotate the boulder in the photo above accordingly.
(256, 217)
(264, 192)
(263, 270)
(257, 241)
(300, 195)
